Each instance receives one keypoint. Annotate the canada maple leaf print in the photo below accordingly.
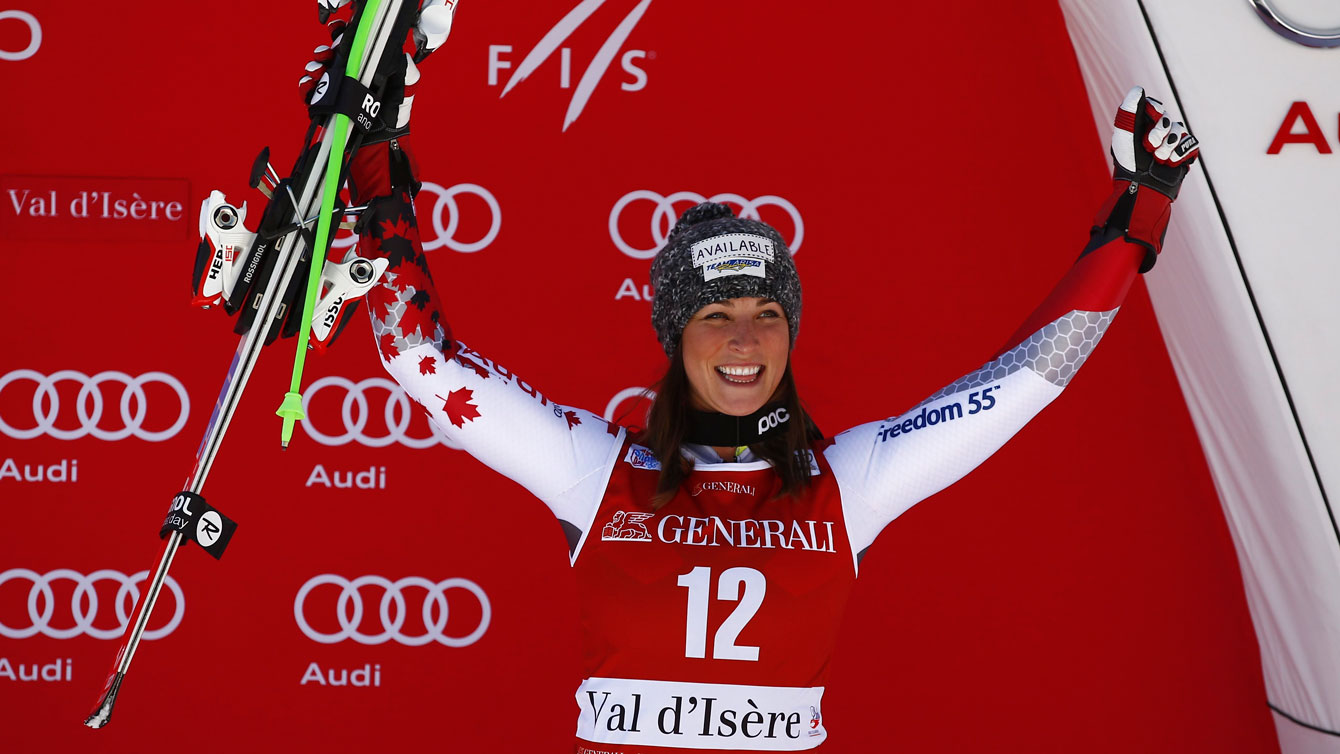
(458, 407)
(386, 343)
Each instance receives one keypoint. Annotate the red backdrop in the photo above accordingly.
(1079, 592)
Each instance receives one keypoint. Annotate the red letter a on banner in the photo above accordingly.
(1311, 135)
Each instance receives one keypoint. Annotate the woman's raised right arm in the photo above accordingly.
(560, 454)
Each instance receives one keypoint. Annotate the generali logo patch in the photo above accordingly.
(625, 525)
(72, 208)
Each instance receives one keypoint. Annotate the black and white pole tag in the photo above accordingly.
(199, 522)
(347, 96)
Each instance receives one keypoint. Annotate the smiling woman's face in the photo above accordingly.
(735, 354)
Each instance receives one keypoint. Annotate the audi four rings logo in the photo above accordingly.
(34, 35)
(89, 403)
(664, 215)
(1295, 32)
(355, 410)
(84, 604)
(392, 610)
(444, 232)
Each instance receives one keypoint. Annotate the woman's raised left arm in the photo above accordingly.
(886, 467)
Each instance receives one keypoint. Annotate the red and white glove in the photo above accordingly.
(1151, 154)
(429, 32)
(430, 28)
(321, 57)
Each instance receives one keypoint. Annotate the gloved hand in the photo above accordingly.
(1151, 155)
(321, 57)
(429, 32)
(430, 28)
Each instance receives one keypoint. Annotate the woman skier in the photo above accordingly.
(714, 551)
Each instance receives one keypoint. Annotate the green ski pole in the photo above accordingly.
(291, 409)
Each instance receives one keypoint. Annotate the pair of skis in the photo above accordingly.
(259, 275)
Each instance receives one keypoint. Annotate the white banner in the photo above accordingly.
(682, 715)
(1245, 296)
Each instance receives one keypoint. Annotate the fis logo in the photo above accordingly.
(595, 71)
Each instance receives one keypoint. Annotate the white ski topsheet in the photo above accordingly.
(1236, 80)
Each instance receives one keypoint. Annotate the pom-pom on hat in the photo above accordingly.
(712, 255)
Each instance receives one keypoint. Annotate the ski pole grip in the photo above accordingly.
(199, 522)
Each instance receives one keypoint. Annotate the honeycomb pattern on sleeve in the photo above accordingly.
(1056, 352)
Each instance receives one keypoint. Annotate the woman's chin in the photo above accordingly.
(739, 407)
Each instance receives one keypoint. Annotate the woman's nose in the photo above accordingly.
(744, 336)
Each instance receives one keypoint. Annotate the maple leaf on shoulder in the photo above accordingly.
(428, 365)
(458, 407)
(572, 418)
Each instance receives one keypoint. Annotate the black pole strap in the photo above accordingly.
(199, 522)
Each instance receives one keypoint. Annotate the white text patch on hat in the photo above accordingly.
(732, 254)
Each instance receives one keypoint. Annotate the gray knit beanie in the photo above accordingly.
(712, 255)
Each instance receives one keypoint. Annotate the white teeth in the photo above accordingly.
(740, 371)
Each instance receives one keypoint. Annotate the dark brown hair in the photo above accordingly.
(668, 421)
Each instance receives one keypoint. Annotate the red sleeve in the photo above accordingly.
(1098, 282)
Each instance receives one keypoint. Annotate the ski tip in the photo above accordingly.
(102, 713)
(283, 444)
